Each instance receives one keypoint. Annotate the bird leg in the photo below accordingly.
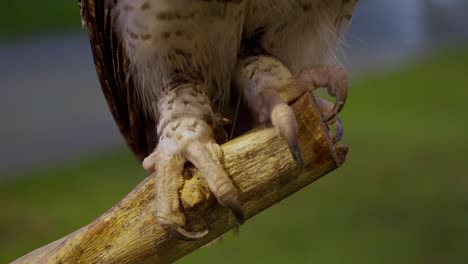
(269, 87)
(185, 135)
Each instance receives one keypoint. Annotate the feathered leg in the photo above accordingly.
(183, 53)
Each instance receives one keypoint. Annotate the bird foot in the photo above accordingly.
(283, 119)
(334, 78)
(188, 140)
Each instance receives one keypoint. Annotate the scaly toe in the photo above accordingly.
(283, 119)
(339, 130)
(205, 157)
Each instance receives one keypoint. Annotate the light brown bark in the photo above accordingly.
(259, 164)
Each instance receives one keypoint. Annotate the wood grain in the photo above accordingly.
(258, 162)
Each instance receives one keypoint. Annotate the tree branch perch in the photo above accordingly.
(262, 169)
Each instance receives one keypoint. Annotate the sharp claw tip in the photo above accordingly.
(239, 216)
(335, 111)
(339, 132)
(237, 211)
(297, 155)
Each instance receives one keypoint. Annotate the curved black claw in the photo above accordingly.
(337, 107)
(296, 154)
(228, 196)
(201, 155)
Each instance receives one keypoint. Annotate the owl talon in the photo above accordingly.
(234, 205)
(270, 87)
(334, 78)
(205, 156)
(297, 155)
(179, 232)
(283, 119)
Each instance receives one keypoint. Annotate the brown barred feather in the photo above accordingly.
(122, 98)
(137, 127)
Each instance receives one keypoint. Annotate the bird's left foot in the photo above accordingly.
(270, 87)
(333, 78)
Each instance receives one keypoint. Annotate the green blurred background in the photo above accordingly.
(401, 197)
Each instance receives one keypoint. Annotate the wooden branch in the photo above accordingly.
(262, 169)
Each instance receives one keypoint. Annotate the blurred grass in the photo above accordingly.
(401, 197)
(29, 16)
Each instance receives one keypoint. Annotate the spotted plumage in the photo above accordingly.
(167, 67)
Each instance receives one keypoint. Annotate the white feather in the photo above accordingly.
(296, 35)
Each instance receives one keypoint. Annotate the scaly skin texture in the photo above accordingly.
(269, 87)
(170, 64)
(185, 135)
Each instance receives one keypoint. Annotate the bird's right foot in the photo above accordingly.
(187, 138)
